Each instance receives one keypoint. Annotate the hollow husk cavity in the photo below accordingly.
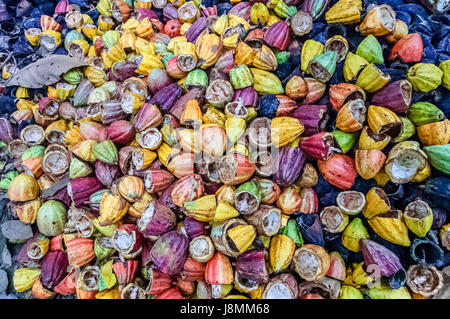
(33, 134)
(237, 109)
(247, 198)
(405, 160)
(264, 165)
(201, 248)
(133, 291)
(314, 288)
(333, 219)
(307, 263)
(17, 147)
(322, 67)
(149, 138)
(339, 45)
(244, 283)
(84, 225)
(351, 202)
(301, 23)
(259, 132)
(424, 280)
(282, 286)
(55, 163)
(124, 242)
(417, 210)
(426, 251)
(88, 278)
(358, 110)
(227, 169)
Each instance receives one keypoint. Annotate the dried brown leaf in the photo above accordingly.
(45, 71)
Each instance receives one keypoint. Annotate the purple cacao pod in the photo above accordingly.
(146, 249)
(169, 253)
(278, 35)
(290, 164)
(166, 97)
(248, 96)
(170, 12)
(124, 70)
(196, 29)
(143, 13)
(156, 219)
(194, 228)
(377, 255)
(211, 188)
(241, 9)
(112, 111)
(81, 112)
(251, 265)
(8, 131)
(80, 189)
(61, 195)
(313, 117)
(395, 96)
(166, 199)
(158, 79)
(148, 116)
(54, 268)
(107, 173)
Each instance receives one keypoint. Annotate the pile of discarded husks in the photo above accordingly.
(214, 149)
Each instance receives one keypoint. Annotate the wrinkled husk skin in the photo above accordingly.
(285, 129)
(251, 265)
(369, 162)
(395, 96)
(322, 264)
(218, 270)
(422, 113)
(376, 254)
(354, 232)
(24, 278)
(51, 218)
(54, 269)
(208, 48)
(377, 203)
(439, 157)
(290, 164)
(390, 228)
(437, 133)
(169, 253)
(23, 188)
(425, 77)
(162, 220)
(339, 170)
(112, 209)
(345, 12)
(280, 252)
(278, 35)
